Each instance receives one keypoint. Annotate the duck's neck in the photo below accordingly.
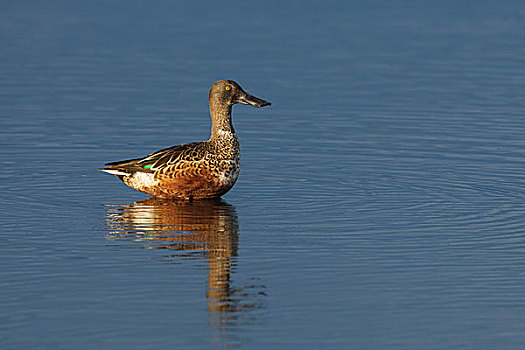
(221, 121)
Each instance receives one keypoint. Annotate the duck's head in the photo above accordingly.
(228, 93)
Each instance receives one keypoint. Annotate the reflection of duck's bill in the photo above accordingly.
(247, 99)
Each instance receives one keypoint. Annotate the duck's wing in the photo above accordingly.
(157, 160)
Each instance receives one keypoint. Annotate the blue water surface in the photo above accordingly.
(381, 199)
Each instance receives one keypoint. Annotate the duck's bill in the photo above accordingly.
(247, 99)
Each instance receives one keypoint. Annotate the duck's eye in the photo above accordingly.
(228, 87)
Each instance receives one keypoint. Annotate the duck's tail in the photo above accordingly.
(124, 168)
(115, 172)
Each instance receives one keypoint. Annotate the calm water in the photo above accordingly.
(381, 202)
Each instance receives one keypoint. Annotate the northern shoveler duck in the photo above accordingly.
(194, 170)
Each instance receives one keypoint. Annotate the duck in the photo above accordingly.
(196, 170)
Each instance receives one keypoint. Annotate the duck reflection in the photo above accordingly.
(206, 229)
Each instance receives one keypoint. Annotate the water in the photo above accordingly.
(381, 197)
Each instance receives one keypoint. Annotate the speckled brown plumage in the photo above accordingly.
(194, 170)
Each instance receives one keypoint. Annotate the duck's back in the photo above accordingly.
(190, 171)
